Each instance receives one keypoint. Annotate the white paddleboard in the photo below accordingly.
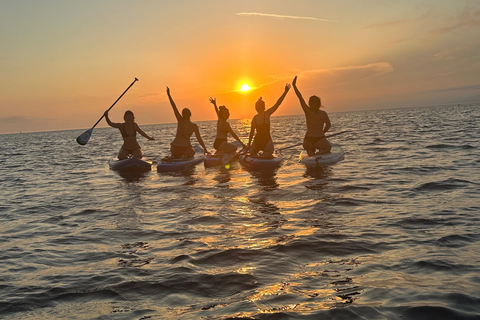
(171, 164)
(260, 163)
(336, 154)
(130, 164)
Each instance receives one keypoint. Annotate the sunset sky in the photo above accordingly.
(64, 62)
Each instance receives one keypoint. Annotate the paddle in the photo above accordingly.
(299, 144)
(84, 137)
(226, 158)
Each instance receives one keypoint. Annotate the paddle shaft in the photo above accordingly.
(299, 144)
(103, 115)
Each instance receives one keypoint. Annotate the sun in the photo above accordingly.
(245, 87)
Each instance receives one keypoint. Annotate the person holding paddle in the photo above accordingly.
(181, 146)
(318, 124)
(129, 130)
(261, 125)
(223, 129)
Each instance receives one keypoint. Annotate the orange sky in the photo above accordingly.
(64, 63)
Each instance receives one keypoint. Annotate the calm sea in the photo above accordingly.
(390, 232)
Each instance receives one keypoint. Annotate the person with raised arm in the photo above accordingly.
(221, 143)
(262, 140)
(181, 146)
(318, 124)
(129, 130)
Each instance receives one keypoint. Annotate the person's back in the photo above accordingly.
(221, 143)
(316, 120)
(262, 125)
(181, 146)
(317, 124)
(185, 129)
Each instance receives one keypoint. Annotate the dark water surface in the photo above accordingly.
(391, 232)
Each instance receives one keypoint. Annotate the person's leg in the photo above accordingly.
(323, 146)
(122, 154)
(137, 153)
(174, 151)
(309, 147)
(269, 148)
(189, 152)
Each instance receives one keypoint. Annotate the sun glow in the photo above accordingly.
(245, 87)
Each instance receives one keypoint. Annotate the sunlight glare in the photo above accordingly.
(245, 87)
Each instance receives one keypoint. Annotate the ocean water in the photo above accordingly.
(390, 232)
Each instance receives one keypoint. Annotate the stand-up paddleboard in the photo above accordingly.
(168, 164)
(215, 160)
(336, 154)
(130, 164)
(260, 163)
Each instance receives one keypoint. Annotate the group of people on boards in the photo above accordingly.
(259, 142)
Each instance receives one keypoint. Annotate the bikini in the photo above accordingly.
(177, 150)
(125, 136)
(263, 135)
(218, 141)
(312, 124)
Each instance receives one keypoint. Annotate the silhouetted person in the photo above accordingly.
(223, 129)
(261, 124)
(318, 124)
(181, 146)
(129, 130)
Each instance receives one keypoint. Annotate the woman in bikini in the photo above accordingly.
(223, 129)
(181, 146)
(261, 124)
(129, 130)
(318, 124)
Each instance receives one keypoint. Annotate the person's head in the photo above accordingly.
(186, 113)
(223, 112)
(260, 105)
(314, 102)
(128, 116)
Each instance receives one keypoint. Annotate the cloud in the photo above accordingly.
(278, 16)
(340, 75)
(377, 68)
(469, 18)
(448, 53)
(16, 119)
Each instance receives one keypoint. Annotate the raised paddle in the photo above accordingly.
(84, 137)
(299, 144)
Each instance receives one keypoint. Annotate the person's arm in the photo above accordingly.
(299, 95)
(174, 106)
(279, 101)
(137, 128)
(253, 127)
(214, 102)
(234, 135)
(110, 123)
(327, 123)
(199, 139)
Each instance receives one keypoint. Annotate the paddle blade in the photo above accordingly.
(226, 157)
(84, 137)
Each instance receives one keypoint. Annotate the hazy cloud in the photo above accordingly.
(448, 53)
(16, 119)
(278, 16)
(469, 18)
